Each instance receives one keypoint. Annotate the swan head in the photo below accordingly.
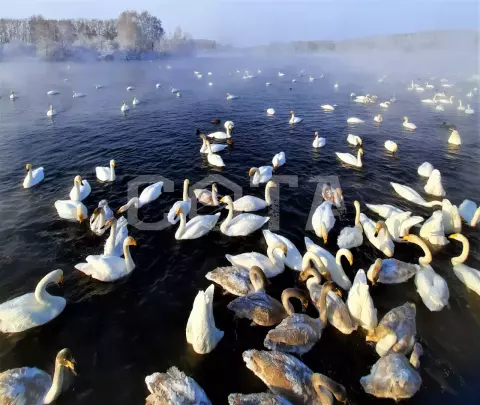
(356, 204)
(78, 179)
(379, 226)
(65, 358)
(316, 134)
(292, 112)
(229, 142)
(112, 163)
(252, 171)
(405, 119)
(361, 151)
(359, 140)
(28, 167)
(226, 200)
(271, 184)
(51, 108)
(129, 241)
(375, 275)
(202, 136)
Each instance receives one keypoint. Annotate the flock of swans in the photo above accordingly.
(321, 273)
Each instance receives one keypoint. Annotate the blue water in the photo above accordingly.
(120, 332)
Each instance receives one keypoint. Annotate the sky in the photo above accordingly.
(248, 22)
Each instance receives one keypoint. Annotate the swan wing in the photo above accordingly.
(103, 173)
(249, 203)
(347, 158)
(204, 196)
(104, 268)
(233, 279)
(199, 226)
(384, 210)
(245, 224)
(151, 193)
(247, 260)
(468, 276)
(409, 194)
(433, 230)
(66, 209)
(467, 210)
(172, 217)
(293, 260)
(432, 288)
(350, 237)
(215, 160)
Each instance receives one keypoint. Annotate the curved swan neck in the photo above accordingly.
(340, 254)
(415, 356)
(214, 196)
(357, 214)
(181, 227)
(312, 257)
(271, 256)
(112, 236)
(427, 259)
(465, 250)
(225, 223)
(268, 199)
(133, 201)
(322, 301)
(288, 294)
(257, 278)
(128, 258)
(57, 383)
(76, 184)
(41, 294)
(338, 390)
(185, 190)
(359, 156)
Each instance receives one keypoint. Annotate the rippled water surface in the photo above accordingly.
(120, 332)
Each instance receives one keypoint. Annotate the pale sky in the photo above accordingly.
(248, 22)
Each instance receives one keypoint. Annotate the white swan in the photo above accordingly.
(377, 234)
(411, 195)
(430, 100)
(99, 217)
(354, 140)
(469, 110)
(52, 92)
(201, 331)
(149, 194)
(272, 265)
(185, 202)
(124, 107)
(213, 159)
(452, 221)
(318, 142)
(429, 86)
(33, 177)
(33, 386)
(106, 173)
(408, 125)
(439, 108)
(385, 104)
(13, 96)
(77, 95)
(118, 234)
(336, 86)
(446, 101)
(223, 135)
(268, 84)
(360, 303)
(130, 88)
(467, 275)
(99, 86)
(399, 224)
(425, 169)
(32, 309)
(391, 146)
(293, 119)
(51, 112)
(174, 387)
(242, 224)
(280, 74)
(158, 85)
(135, 101)
(231, 96)
(378, 118)
(384, 210)
(470, 94)
(271, 111)
(460, 107)
(351, 160)
(109, 268)
(196, 227)
(351, 237)
(207, 197)
(293, 258)
(216, 147)
(334, 264)
(249, 203)
(80, 190)
(354, 120)
(278, 160)
(470, 212)
(327, 107)
(434, 184)
(431, 287)
(323, 220)
(260, 174)
(433, 229)
(73, 210)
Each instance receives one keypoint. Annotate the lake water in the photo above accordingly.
(120, 332)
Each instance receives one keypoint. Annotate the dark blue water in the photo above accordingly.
(120, 332)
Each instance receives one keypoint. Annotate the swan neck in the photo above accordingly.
(359, 157)
(29, 175)
(112, 173)
(271, 256)
(41, 294)
(338, 390)
(57, 382)
(357, 215)
(465, 251)
(182, 225)
(112, 236)
(185, 191)
(128, 258)
(323, 304)
(225, 223)
(286, 296)
(427, 259)
(215, 196)
(268, 199)
(77, 189)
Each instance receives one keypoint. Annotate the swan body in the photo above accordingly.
(399, 225)
(223, 135)
(32, 309)
(425, 169)
(470, 212)
(158, 85)
(454, 138)
(242, 224)
(77, 95)
(109, 268)
(408, 125)
(433, 229)
(391, 146)
(354, 140)
(250, 203)
(99, 86)
(327, 107)
(351, 237)
(32, 386)
(52, 92)
(196, 227)
(135, 101)
(460, 107)
(100, 216)
(216, 147)
(354, 120)
(323, 215)
(231, 96)
(469, 110)
(334, 195)
(384, 210)
(80, 190)
(318, 142)
(124, 107)
(207, 197)
(174, 387)
(130, 88)
(278, 160)
(73, 210)
(430, 100)
(268, 84)
(467, 275)
(33, 177)
(293, 119)
(13, 96)
(118, 234)
(149, 194)
(386, 104)
(106, 173)
(378, 118)
(293, 258)
(396, 331)
(411, 195)
(333, 264)
(51, 112)
(201, 331)
(261, 174)
(378, 235)
(439, 108)
(446, 100)
(351, 160)
(185, 203)
(360, 303)
(271, 111)
(452, 221)
(280, 74)
(391, 271)
(233, 279)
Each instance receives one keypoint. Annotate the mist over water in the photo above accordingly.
(120, 332)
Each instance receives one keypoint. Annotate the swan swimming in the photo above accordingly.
(51, 112)
(100, 216)
(216, 147)
(293, 119)
(351, 237)
(360, 303)
(106, 173)
(223, 135)
(32, 309)
(73, 210)
(327, 107)
(260, 174)
(116, 239)
(53, 92)
(411, 195)
(231, 96)
(293, 258)
(433, 230)
(354, 120)
(408, 125)
(469, 110)
(213, 159)
(323, 220)
(185, 203)
(318, 142)
(391, 146)
(196, 227)
(33, 177)
(354, 140)
(425, 169)
(467, 275)
(271, 111)
(149, 194)
(13, 96)
(378, 235)
(135, 101)
(351, 160)
(242, 224)
(77, 95)
(130, 88)
(207, 197)
(249, 203)
(378, 118)
(278, 160)
(80, 190)
(434, 184)
(124, 107)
